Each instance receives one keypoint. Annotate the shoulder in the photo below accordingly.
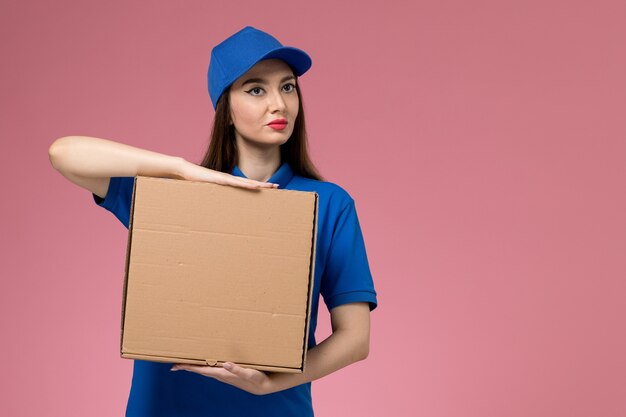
(330, 193)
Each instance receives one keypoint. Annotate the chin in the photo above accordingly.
(278, 139)
(268, 140)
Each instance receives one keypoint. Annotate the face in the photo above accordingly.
(264, 94)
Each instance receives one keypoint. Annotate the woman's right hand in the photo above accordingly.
(90, 162)
(192, 172)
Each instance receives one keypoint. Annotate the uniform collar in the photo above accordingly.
(282, 176)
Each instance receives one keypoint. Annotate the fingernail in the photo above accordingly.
(228, 365)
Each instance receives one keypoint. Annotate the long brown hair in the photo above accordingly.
(222, 154)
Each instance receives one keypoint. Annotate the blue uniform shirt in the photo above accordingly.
(342, 276)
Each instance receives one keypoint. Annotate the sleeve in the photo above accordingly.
(347, 277)
(119, 198)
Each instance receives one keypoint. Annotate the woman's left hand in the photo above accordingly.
(250, 380)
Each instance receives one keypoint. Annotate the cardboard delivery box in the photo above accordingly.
(216, 273)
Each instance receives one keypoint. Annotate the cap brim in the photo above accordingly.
(296, 58)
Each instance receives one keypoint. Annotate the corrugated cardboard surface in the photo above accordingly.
(218, 273)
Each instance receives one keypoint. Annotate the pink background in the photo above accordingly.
(484, 143)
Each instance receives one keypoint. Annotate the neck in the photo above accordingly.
(258, 163)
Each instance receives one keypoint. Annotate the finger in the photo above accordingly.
(205, 370)
(183, 367)
(228, 179)
(254, 183)
(248, 183)
(245, 373)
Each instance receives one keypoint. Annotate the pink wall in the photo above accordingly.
(483, 141)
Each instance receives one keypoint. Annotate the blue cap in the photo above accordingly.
(234, 56)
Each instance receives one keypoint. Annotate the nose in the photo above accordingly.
(276, 102)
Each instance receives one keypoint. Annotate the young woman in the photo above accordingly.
(258, 141)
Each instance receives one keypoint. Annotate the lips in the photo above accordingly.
(278, 124)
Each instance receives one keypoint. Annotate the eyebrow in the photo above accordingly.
(262, 81)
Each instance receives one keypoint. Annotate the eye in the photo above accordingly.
(291, 88)
(256, 91)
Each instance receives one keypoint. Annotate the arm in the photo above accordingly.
(90, 162)
(348, 343)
